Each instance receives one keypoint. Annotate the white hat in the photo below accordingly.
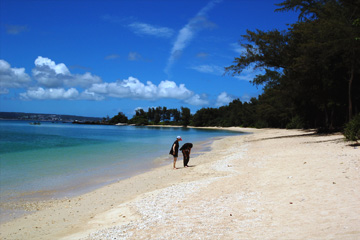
(178, 137)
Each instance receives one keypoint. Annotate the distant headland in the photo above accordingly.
(47, 117)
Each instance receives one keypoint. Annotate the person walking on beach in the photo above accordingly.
(175, 149)
(186, 150)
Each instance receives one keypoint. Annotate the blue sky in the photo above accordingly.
(98, 58)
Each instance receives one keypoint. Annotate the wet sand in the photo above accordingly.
(272, 184)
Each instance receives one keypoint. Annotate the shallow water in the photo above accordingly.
(54, 160)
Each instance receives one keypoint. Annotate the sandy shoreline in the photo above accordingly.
(273, 184)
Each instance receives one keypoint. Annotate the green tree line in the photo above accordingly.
(155, 116)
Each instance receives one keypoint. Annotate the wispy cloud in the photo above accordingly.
(246, 98)
(134, 56)
(202, 55)
(249, 73)
(16, 29)
(236, 47)
(151, 30)
(112, 57)
(140, 28)
(212, 69)
(187, 33)
(115, 19)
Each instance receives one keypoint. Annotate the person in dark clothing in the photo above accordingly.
(175, 149)
(186, 150)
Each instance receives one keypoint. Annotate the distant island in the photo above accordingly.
(47, 117)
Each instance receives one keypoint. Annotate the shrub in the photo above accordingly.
(352, 129)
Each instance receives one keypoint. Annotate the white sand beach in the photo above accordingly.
(272, 184)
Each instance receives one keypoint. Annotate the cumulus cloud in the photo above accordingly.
(147, 29)
(50, 93)
(197, 100)
(88, 95)
(223, 99)
(169, 89)
(51, 75)
(55, 82)
(187, 33)
(59, 94)
(128, 88)
(133, 88)
(12, 77)
(83, 80)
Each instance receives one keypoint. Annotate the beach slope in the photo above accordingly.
(272, 184)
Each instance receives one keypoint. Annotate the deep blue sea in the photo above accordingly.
(54, 160)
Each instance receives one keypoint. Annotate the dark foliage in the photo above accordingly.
(352, 129)
(161, 116)
(120, 118)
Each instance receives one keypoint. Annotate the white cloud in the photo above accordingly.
(223, 99)
(147, 29)
(83, 80)
(133, 88)
(213, 69)
(197, 100)
(51, 75)
(50, 93)
(88, 95)
(55, 82)
(187, 33)
(128, 88)
(12, 77)
(169, 89)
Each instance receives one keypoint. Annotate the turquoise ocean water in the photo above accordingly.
(54, 160)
